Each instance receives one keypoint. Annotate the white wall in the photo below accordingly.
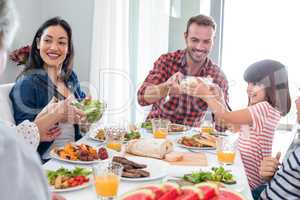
(29, 17)
(182, 11)
(79, 13)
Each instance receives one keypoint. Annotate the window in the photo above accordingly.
(256, 30)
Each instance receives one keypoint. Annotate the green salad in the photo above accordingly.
(92, 108)
(132, 135)
(217, 174)
(147, 125)
(78, 171)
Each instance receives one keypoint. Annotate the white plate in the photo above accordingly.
(92, 135)
(157, 168)
(79, 187)
(186, 128)
(55, 156)
(195, 148)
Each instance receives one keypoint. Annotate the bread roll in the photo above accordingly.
(155, 148)
(173, 157)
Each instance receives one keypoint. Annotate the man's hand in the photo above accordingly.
(174, 83)
(198, 88)
(269, 166)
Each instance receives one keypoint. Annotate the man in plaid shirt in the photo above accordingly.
(171, 68)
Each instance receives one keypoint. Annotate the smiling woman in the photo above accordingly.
(47, 74)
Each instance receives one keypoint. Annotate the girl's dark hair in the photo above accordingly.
(36, 62)
(274, 77)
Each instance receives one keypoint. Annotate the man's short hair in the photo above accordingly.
(8, 23)
(201, 20)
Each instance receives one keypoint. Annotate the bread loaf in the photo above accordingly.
(155, 148)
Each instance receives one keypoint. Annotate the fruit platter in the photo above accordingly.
(170, 191)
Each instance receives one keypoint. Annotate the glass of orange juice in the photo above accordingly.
(107, 179)
(226, 149)
(114, 137)
(160, 128)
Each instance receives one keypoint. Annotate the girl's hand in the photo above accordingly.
(198, 89)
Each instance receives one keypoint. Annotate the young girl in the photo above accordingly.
(269, 99)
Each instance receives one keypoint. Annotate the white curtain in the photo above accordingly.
(153, 40)
(111, 76)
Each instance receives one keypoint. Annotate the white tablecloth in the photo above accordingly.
(89, 193)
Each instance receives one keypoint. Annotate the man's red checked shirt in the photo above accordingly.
(180, 109)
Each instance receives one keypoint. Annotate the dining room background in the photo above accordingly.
(117, 41)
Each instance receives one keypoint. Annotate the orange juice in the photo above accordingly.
(114, 145)
(226, 157)
(107, 185)
(160, 134)
(207, 129)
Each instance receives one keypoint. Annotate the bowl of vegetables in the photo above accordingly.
(93, 109)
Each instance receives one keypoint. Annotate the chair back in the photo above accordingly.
(6, 111)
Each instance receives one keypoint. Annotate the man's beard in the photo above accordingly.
(194, 59)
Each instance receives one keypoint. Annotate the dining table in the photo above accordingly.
(170, 171)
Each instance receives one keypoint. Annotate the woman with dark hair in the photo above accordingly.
(48, 74)
(269, 99)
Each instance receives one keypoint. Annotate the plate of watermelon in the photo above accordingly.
(170, 191)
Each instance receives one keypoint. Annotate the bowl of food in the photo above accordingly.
(93, 108)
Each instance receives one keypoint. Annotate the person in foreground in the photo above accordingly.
(269, 99)
(282, 182)
(20, 169)
(47, 74)
(161, 87)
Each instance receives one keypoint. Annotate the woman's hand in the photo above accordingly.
(69, 113)
(54, 113)
(64, 111)
(51, 134)
(269, 166)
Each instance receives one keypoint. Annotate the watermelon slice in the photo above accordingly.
(158, 190)
(190, 193)
(143, 194)
(226, 194)
(172, 190)
(209, 190)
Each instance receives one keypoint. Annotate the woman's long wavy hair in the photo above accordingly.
(36, 62)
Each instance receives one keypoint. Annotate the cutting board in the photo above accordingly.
(191, 159)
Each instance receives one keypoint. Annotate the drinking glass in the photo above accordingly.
(226, 149)
(160, 128)
(107, 179)
(115, 137)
